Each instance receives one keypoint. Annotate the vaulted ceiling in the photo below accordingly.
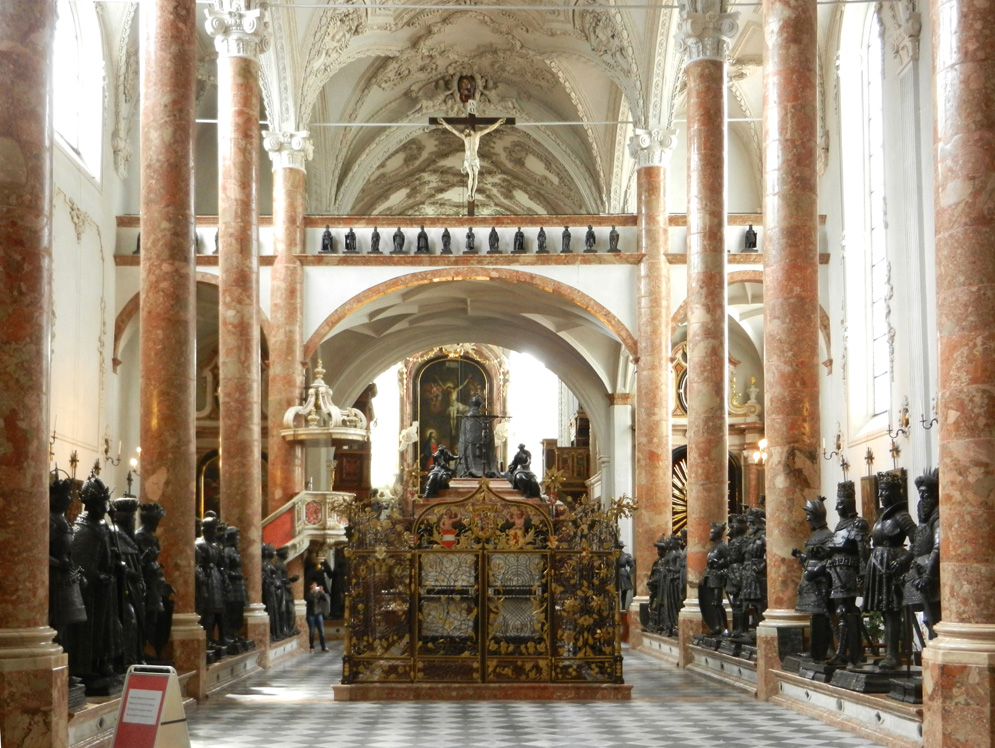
(364, 80)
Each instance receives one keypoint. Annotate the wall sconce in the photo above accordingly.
(837, 445)
(115, 461)
(760, 455)
(133, 471)
(869, 459)
(903, 422)
(922, 418)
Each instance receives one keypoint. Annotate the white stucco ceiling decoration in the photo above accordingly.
(364, 79)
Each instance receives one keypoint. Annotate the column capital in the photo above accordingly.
(288, 149)
(905, 41)
(237, 31)
(706, 36)
(652, 147)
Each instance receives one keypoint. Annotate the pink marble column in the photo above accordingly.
(168, 309)
(238, 38)
(33, 669)
(651, 149)
(791, 310)
(705, 39)
(289, 152)
(959, 665)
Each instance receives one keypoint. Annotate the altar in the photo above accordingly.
(505, 597)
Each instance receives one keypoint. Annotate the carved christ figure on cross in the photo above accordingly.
(471, 140)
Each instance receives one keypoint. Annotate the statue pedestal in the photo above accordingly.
(733, 671)
(817, 671)
(907, 690)
(866, 679)
(873, 716)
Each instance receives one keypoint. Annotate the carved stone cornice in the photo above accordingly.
(706, 36)
(288, 150)
(237, 32)
(652, 147)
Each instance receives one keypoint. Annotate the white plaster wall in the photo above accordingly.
(911, 253)
(326, 289)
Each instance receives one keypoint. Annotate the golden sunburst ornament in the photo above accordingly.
(679, 493)
(552, 481)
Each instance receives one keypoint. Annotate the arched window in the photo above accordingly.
(880, 290)
(78, 83)
(868, 282)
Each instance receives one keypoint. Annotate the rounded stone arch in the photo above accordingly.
(755, 276)
(129, 312)
(557, 288)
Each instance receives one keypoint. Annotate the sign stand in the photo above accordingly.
(152, 714)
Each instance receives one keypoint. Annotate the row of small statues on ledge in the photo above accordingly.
(470, 244)
(109, 602)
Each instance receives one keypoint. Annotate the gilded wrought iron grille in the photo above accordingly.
(483, 589)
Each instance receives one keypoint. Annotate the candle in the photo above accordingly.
(119, 449)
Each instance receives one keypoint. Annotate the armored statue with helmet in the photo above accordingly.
(96, 644)
(883, 581)
(65, 599)
(922, 579)
(850, 550)
(814, 587)
(713, 583)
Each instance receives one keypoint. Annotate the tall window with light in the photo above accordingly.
(78, 83)
(877, 253)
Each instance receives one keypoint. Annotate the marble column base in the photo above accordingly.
(34, 689)
(689, 625)
(257, 630)
(958, 684)
(774, 637)
(188, 642)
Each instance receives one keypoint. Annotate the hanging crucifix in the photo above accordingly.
(469, 134)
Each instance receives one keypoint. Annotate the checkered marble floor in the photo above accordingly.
(292, 707)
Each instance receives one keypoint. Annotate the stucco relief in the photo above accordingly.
(126, 91)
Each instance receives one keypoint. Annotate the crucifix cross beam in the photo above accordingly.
(465, 128)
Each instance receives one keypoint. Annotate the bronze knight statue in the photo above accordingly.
(96, 644)
(713, 583)
(922, 578)
(65, 599)
(883, 579)
(850, 550)
(814, 588)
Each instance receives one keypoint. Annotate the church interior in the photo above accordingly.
(751, 241)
